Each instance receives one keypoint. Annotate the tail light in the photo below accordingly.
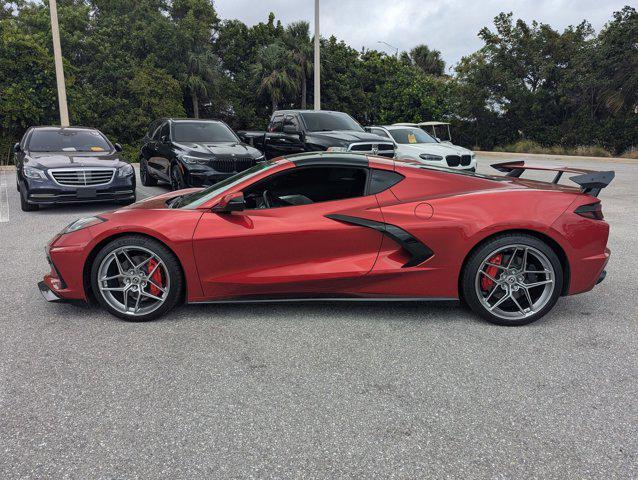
(591, 210)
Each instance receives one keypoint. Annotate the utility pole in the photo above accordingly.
(396, 49)
(59, 70)
(317, 69)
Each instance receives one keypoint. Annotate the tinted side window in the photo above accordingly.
(276, 124)
(164, 131)
(381, 180)
(307, 185)
(378, 131)
(152, 128)
(291, 120)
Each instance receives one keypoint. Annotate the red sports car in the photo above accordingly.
(343, 226)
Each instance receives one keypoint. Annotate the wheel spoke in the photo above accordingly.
(500, 300)
(128, 258)
(113, 277)
(126, 300)
(114, 289)
(144, 262)
(512, 257)
(537, 284)
(150, 274)
(161, 289)
(150, 295)
(489, 264)
(117, 262)
(517, 304)
(528, 297)
(487, 299)
(489, 276)
(536, 271)
(137, 302)
(524, 264)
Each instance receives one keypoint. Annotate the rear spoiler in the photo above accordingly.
(591, 182)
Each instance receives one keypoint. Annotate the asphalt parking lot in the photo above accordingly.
(415, 390)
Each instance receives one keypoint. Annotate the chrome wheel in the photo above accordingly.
(515, 282)
(133, 280)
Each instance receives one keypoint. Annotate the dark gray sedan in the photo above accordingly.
(57, 165)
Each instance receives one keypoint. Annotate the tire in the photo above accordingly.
(177, 179)
(508, 293)
(147, 179)
(135, 249)
(26, 206)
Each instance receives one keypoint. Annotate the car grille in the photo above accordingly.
(232, 164)
(83, 178)
(456, 160)
(383, 149)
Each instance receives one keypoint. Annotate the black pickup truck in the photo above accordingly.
(297, 131)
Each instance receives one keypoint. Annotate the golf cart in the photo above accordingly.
(431, 128)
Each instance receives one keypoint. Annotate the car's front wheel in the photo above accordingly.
(513, 279)
(177, 179)
(136, 278)
(24, 204)
(147, 179)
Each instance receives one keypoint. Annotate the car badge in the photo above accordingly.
(375, 149)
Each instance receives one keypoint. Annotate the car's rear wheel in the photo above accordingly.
(512, 279)
(136, 278)
(24, 204)
(177, 179)
(147, 179)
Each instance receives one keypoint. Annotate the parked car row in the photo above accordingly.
(77, 164)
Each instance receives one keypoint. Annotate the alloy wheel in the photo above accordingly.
(133, 280)
(515, 282)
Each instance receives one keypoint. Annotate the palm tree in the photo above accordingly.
(429, 61)
(297, 39)
(274, 73)
(202, 76)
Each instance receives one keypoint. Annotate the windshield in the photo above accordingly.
(208, 132)
(195, 199)
(68, 140)
(327, 121)
(411, 136)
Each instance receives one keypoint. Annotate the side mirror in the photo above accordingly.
(118, 147)
(233, 202)
(291, 130)
(16, 148)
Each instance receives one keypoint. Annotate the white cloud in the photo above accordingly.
(450, 26)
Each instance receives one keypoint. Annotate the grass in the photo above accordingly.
(529, 146)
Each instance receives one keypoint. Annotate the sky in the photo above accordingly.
(450, 26)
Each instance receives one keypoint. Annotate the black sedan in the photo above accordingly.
(193, 153)
(58, 165)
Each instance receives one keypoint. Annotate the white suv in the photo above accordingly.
(413, 143)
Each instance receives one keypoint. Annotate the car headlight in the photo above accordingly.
(337, 149)
(193, 160)
(430, 158)
(34, 173)
(125, 171)
(83, 223)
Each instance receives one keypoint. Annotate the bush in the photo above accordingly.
(529, 146)
(633, 154)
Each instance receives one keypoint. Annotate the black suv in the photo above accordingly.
(193, 153)
(56, 165)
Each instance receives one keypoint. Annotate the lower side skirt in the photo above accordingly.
(327, 299)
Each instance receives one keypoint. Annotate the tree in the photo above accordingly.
(274, 72)
(202, 76)
(297, 39)
(429, 61)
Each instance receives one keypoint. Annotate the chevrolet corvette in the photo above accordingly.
(335, 226)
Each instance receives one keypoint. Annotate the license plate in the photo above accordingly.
(87, 193)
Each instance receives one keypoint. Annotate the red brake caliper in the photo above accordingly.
(492, 271)
(156, 277)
